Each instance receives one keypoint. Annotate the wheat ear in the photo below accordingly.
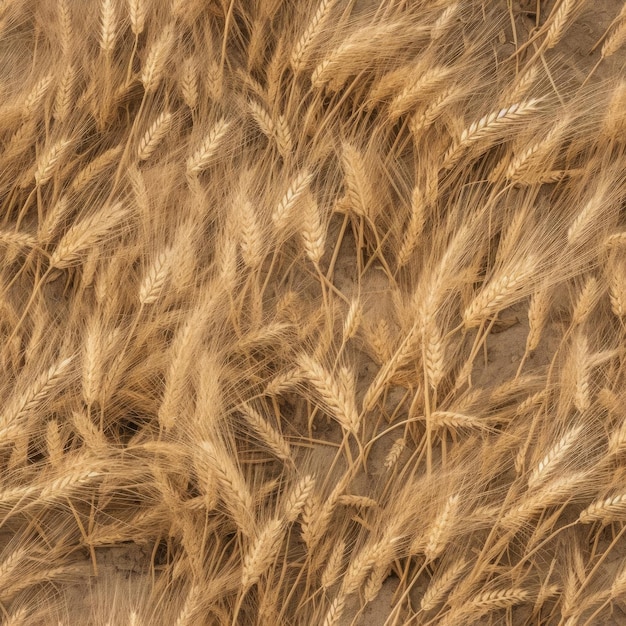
(137, 13)
(84, 234)
(64, 94)
(154, 66)
(558, 23)
(611, 509)
(272, 438)
(299, 54)
(261, 553)
(206, 151)
(298, 497)
(154, 135)
(333, 395)
(440, 586)
(488, 127)
(553, 458)
(283, 213)
(499, 292)
(108, 25)
(49, 161)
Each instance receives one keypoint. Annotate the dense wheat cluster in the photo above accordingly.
(257, 258)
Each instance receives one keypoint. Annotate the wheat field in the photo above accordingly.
(262, 266)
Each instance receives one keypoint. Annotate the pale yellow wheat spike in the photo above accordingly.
(189, 82)
(415, 227)
(277, 131)
(156, 276)
(489, 127)
(36, 95)
(207, 150)
(65, 26)
(553, 458)
(298, 497)
(272, 438)
(86, 233)
(94, 168)
(331, 393)
(611, 509)
(559, 22)
(34, 395)
(108, 25)
(261, 553)
(303, 45)
(313, 230)
(251, 243)
(358, 191)
(330, 575)
(587, 300)
(50, 160)
(538, 311)
(438, 587)
(500, 292)
(235, 492)
(283, 213)
(92, 361)
(440, 531)
(64, 94)
(154, 65)
(154, 135)
(137, 13)
(418, 90)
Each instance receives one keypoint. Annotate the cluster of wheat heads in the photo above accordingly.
(253, 258)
